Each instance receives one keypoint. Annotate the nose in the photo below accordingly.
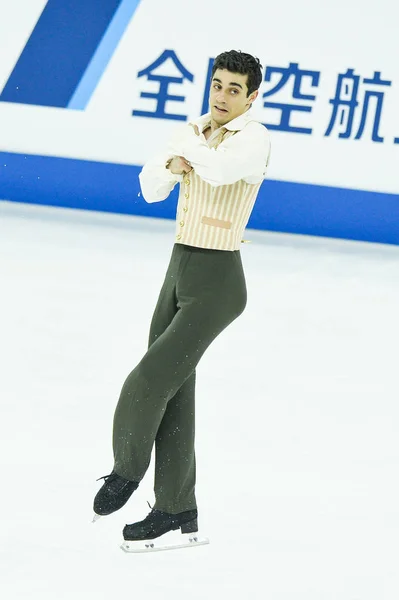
(220, 98)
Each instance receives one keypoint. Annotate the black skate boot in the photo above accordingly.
(157, 523)
(154, 532)
(114, 494)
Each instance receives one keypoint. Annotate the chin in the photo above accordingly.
(219, 119)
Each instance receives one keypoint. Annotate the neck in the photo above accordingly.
(214, 125)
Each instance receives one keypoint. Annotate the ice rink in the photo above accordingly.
(297, 416)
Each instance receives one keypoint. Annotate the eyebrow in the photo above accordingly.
(231, 82)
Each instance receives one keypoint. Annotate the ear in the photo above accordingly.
(253, 96)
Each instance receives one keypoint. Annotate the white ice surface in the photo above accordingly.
(297, 416)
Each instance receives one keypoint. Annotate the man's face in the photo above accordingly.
(228, 97)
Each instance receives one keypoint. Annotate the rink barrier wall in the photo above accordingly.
(281, 206)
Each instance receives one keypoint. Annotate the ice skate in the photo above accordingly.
(114, 494)
(163, 531)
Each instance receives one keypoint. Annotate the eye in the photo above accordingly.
(216, 86)
(234, 91)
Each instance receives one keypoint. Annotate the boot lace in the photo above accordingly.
(114, 481)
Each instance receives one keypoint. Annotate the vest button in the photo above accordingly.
(187, 181)
(186, 195)
(178, 237)
(185, 209)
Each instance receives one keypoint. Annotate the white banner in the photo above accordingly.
(330, 95)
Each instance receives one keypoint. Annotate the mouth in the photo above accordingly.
(221, 111)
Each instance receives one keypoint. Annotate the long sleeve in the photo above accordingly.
(156, 181)
(241, 156)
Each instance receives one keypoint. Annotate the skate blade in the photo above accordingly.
(187, 540)
(96, 517)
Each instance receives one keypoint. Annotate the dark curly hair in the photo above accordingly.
(236, 61)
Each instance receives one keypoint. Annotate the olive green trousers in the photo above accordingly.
(203, 292)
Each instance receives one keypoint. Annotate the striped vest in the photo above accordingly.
(214, 217)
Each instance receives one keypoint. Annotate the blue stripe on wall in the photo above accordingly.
(281, 206)
(103, 54)
(58, 52)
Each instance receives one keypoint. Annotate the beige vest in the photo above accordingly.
(214, 217)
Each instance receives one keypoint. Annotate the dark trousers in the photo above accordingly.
(203, 292)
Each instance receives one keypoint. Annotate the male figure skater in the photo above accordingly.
(220, 161)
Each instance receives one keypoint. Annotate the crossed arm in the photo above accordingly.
(242, 156)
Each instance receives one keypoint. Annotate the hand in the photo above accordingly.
(179, 165)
